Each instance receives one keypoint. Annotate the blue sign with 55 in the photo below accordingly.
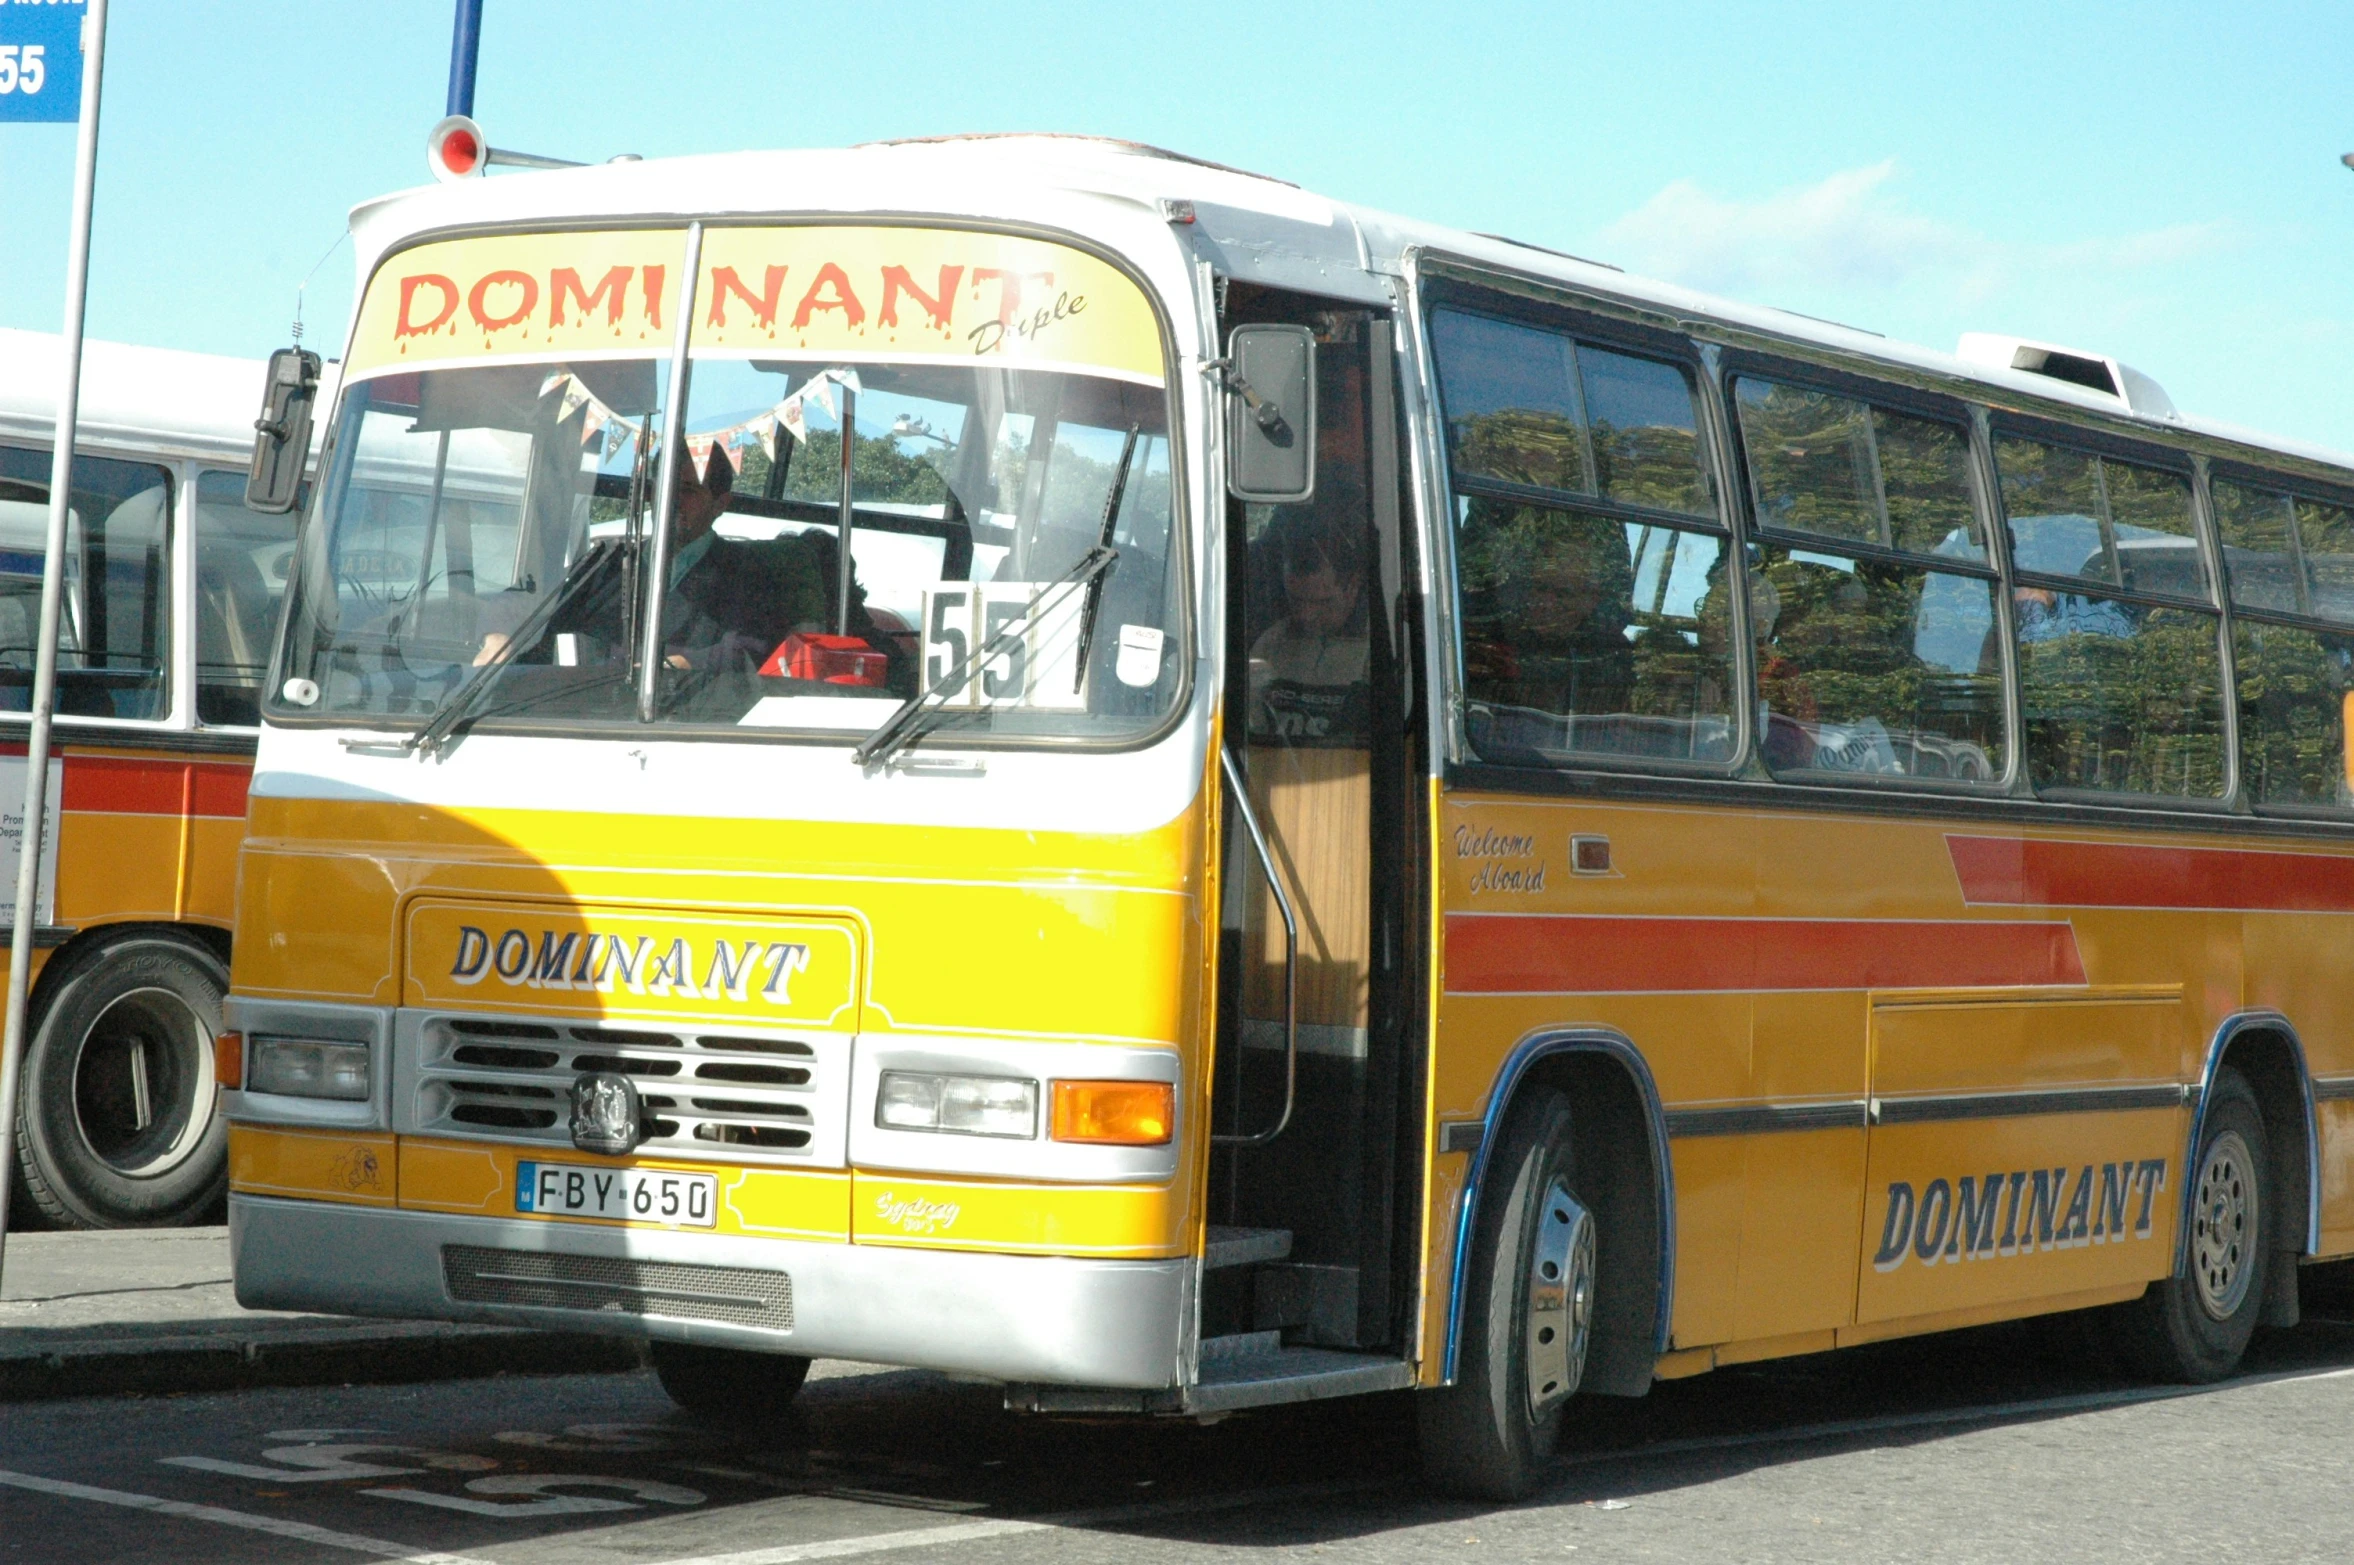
(40, 61)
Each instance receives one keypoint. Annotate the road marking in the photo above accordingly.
(872, 1543)
(302, 1531)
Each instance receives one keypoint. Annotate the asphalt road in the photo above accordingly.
(2006, 1444)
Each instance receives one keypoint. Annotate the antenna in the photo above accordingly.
(306, 282)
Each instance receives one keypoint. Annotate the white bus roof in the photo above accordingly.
(155, 399)
(1267, 230)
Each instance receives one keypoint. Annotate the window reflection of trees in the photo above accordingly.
(1593, 622)
(1594, 627)
(2121, 690)
(1870, 665)
(2289, 559)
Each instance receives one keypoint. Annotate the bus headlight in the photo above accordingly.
(960, 1105)
(299, 1068)
(1115, 1113)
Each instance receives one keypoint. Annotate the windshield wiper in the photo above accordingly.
(902, 727)
(1111, 520)
(436, 728)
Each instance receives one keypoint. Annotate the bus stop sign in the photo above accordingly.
(40, 61)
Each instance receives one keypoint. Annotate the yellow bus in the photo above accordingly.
(172, 590)
(1037, 758)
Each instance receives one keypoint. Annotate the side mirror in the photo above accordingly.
(1271, 413)
(282, 435)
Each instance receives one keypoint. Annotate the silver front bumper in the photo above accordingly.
(1045, 1319)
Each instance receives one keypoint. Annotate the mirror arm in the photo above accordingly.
(1268, 414)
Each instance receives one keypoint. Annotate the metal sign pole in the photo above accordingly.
(465, 48)
(61, 465)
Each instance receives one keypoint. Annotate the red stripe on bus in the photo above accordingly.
(1579, 954)
(2011, 872)
(114, 786)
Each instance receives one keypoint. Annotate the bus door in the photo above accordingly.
(1319, 715)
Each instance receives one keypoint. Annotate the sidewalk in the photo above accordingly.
(152, 1310)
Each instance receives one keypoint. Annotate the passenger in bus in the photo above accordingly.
(723, 610)
(1563, 599)
(2045, 615)
(1308, 669)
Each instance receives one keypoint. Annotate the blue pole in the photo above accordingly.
(465, 45)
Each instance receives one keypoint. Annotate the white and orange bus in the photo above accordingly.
(172, 589)
(1038, 758)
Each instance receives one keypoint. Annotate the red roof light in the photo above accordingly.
(456, 149)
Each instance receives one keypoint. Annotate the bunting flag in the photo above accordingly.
(573, 397)
(789, 415)
(792, 412)
(761, 429)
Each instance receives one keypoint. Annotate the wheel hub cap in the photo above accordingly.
(2223, 1226)
(1560, 1299)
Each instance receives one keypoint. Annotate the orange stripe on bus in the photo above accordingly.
(2013, 872)
(124, 787)
(1584, 954)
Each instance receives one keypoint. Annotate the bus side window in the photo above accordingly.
(2286, 557)
(242, 561)
(1590, 558)
(1871, 599)
(114, 629)
(2120, 672)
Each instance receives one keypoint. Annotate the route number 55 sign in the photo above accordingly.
(40, 61)
(1037, 668)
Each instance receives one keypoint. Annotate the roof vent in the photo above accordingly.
(2089, 370)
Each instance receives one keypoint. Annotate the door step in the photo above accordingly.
(1264, 1377)
(1244, 1246)
(1241, 1345)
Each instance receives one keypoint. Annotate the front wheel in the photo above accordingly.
(728, 1385)
(1528, 1302)
(2194, 1326)
(118, 1117)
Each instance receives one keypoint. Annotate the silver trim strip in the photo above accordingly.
(1752, 1119)
(1933, 1108)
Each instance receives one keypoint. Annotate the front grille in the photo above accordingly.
(731, 1097)
(537, 1280)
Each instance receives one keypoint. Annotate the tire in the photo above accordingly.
(729, 1385)
(1527, 1300)
(119, 1122)
(2194, 1326)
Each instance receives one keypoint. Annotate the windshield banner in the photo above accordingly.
(944, 295)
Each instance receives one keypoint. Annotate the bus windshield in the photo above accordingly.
(485, 521)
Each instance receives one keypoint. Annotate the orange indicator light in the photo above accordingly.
(229, 1059)
(1114, 1113)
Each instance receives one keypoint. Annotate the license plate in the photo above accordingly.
(632, 1195)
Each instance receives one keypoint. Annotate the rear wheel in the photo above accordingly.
(729, 1385)
(118, 1118)
(1528, 1302)
(2195, 1325)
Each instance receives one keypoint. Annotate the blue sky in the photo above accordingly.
(2155, 181)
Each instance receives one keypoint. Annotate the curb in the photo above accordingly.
(89, 1364)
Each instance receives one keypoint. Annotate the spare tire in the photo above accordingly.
(119, 1121)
